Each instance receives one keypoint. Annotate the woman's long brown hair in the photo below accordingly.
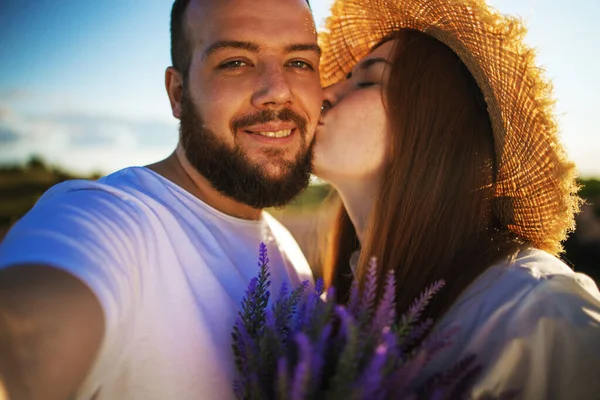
(433, 218)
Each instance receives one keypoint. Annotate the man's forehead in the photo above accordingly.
(288, 20)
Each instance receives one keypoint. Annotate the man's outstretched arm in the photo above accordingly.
(51, 328)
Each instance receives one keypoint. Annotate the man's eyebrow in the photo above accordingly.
(230, 44)
(304, 47)
(369, 63)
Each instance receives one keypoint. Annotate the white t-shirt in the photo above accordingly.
(169, 271)
(533, 325)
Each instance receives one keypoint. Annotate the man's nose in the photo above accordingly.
(273, 90)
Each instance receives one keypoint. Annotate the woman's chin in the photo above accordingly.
(316, 171)
(319, 166)
(325, 165)
(324, 175)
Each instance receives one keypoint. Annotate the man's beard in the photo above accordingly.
(229, 170)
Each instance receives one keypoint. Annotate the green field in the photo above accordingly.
(21, 187)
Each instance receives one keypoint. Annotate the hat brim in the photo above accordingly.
(536, 188)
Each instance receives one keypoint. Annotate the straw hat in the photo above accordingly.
(536, 189)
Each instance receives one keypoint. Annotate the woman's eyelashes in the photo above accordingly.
(365, 84)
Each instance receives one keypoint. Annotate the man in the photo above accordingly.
(127, 288)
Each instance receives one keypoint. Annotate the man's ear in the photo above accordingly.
(174, 85)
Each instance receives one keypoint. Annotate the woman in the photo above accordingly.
(442, 145)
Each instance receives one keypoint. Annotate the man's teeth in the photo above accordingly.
(278, 134)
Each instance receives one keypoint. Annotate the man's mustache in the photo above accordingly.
(266, 116)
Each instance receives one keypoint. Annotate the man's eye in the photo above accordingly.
(235, 64)
(301, 65)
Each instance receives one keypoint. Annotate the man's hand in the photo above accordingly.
(51, 328)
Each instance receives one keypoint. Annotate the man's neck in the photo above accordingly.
(178, 170)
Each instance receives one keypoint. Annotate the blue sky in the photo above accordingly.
(81, 83)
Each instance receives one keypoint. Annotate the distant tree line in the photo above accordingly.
(22, 185)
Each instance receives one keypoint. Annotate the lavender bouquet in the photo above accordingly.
(304, 347)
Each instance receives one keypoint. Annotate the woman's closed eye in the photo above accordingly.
(365, 84)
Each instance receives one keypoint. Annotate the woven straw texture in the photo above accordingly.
(536, 188)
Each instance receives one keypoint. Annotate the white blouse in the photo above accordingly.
(533, 325)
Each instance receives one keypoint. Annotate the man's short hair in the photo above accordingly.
(181, 55)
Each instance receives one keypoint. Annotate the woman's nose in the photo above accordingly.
(332, 94)
(326, 106)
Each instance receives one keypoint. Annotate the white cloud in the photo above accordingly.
(84, 142)
(321, 10)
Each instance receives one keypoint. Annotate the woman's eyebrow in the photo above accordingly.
(368, 63)
(372, 61)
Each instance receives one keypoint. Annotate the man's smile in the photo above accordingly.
(276, 130)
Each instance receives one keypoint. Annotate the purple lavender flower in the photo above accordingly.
(408, 319)
(366, 306)
(416, 334)
(309, 306)
(415, 310)
(285, 308)
(338, 352)
(262, 256)
(301, 381)
(354, 300)
(248, 331)
(348, 362)
(385, 313)
(373, 376)
(404, 377)
(439, 341)
(320, 351)
(283, 384)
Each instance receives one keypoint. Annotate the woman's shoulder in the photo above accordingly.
(525, 319)
(532, 278)
(514, 296)
(546, 284)
(551, 295)
(538, 266)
